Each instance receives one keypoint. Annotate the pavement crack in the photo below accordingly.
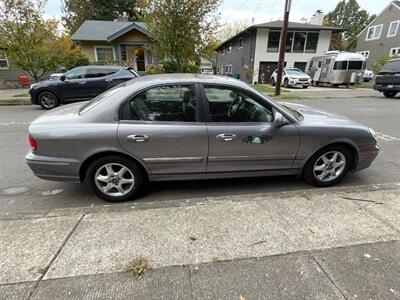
(329, 277)
(46, 269)
(361, 200)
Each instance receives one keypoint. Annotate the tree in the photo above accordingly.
(232, 29)
(181, 29)
(348, 15)
(75, 12)
(32, 43)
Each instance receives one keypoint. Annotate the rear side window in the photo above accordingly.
(76, 74)
(175, 103)
(100, 72)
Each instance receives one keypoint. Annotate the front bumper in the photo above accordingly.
(296, 82)
(387, 87)
(366, 156)
(51, 168)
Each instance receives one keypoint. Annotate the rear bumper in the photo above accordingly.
(387, 87)
(50, 168)
(366, 156)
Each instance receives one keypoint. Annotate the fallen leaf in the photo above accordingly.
(301, 273)
(196, 268)
(242, 297)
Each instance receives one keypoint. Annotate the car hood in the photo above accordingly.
(300, 76)
(315, 115)
(63, 114)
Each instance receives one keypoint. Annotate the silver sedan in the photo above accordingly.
(180, 127)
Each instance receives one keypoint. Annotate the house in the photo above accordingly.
(382, 35)
(8, 72)
(114, 41)
(255, 50)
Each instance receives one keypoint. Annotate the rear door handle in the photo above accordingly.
(137, 138)
(226, 137)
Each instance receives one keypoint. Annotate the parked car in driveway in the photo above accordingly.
(387, 80)
(367, 75)
(181, 126)
(79, 84)
(292, 77)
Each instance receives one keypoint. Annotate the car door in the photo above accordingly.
(160, 127)
(73, 86)
(242, 135)
(99, 80)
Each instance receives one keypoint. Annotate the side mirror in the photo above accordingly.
(62, 77)
(280, 120)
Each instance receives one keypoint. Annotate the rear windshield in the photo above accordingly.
(392, 66)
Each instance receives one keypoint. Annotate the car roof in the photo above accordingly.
(185, 78)
(102, 67)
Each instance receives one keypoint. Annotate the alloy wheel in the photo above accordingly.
(114, 179)
(329, 166)
(48, 100)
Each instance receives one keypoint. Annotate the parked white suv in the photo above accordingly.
(206, 70)
(292, 77)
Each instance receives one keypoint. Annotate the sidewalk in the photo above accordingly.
(318, 244)
(14, 97)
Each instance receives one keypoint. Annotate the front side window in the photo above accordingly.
(273, 41)
(76, 74)
(104, 54)
(228, 105)
(393, 27)
(175, 103)
(3, 60)
(374, 32)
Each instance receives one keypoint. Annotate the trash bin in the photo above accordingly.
(236, 75)
(24, 80)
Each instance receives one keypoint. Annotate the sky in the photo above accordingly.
(261, 10)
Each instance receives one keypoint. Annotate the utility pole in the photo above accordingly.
(282, 45)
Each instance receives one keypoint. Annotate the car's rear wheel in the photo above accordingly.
(389, 94)
(328, 166)
(272, 81)
(48, 100)
(115, 178)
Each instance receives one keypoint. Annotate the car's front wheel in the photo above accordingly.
(328, 166)
(272, 81)
(389, 94)
(115, 178)
(48, 100)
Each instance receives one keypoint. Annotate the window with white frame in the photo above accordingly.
(374, 32)
(393, 27)
(229, 48)
(218, 69)
(3, 60)
(104, 53)
(240, 43)
(296, 42)
(364, 53)
(395, 51)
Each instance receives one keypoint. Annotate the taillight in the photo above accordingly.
(32, 143)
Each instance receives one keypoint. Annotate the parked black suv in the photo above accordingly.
(388, 79)
(79, 84)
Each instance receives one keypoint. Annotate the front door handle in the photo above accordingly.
(226, 137)
(137, 138)
(82, 82)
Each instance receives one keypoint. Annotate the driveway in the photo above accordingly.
(20, 191)
(328, 92)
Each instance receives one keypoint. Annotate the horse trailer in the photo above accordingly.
(336, 68)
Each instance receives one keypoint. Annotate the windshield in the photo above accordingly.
(100, 98)
(294, 72)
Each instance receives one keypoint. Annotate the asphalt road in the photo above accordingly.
(20, 191)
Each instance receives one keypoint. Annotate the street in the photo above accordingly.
(21, 192)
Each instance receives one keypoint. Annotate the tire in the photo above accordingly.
(130, 190)
(316, 161)
(316, 83)
(305, 86)
(389, 94)
(48, 100)
(272, 81)
(286, 83)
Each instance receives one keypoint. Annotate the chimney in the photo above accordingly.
(317, 18)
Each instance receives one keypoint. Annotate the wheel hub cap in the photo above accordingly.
(329, 166)
(114, 179)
